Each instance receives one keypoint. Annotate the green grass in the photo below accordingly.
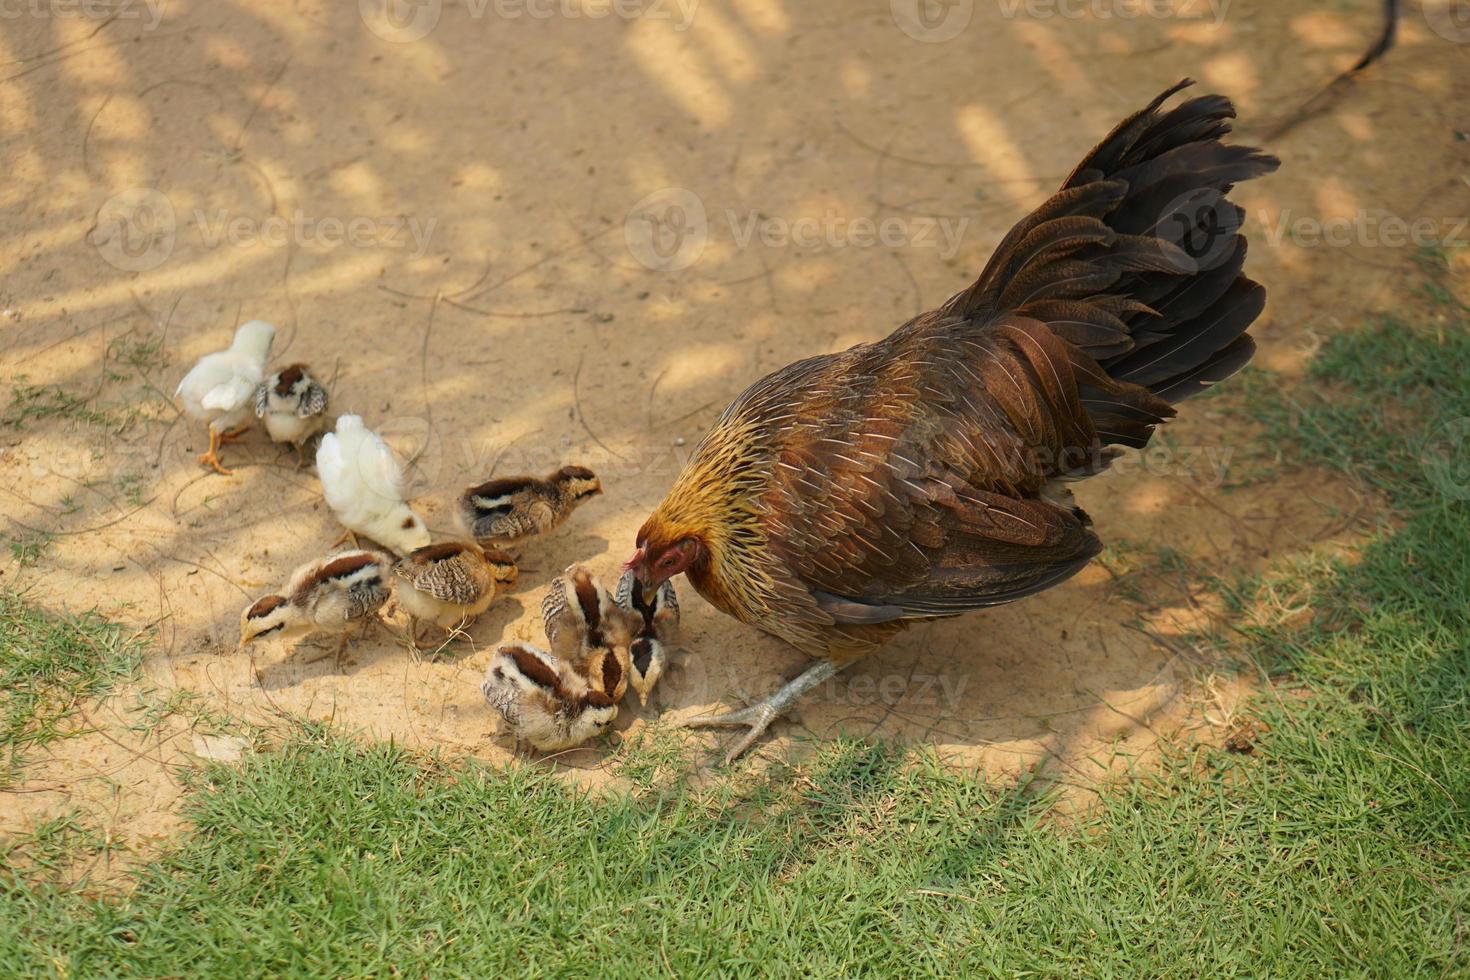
(132, 396)
(27, 548)
(53, 847)
(47, 665)
(1340, 845)
(32, 402)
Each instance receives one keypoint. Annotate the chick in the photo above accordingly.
(218, 389)
(605, 669)
(657, 629)
(585, 627)
(293, 405)
(331, 594)
(543, 700)
(504, 511)
(449, 584)
(364, 487)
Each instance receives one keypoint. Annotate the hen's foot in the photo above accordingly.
(758, 716)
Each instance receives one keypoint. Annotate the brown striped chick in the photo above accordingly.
(449, 584)
(585, 627)
(293, 405)
(657, 629)
(505, 511)
(329, 595)
(543, 700)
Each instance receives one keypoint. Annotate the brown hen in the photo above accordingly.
(924, 475)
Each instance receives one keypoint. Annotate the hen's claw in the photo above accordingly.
(758, 717)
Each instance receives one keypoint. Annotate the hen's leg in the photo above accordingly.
(758, 716)
(236, 433)
(211, 458)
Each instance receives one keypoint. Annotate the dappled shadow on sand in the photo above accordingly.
(489, 316)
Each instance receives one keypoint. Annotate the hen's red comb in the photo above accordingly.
(632, 563)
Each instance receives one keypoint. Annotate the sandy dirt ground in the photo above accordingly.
(447, 212)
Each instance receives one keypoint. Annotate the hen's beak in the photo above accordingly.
(643, 574)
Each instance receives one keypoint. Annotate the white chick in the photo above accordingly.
(220, 388)
(364, 487)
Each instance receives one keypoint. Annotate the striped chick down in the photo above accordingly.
(657, 629)
(543, 701)
(451, 583)
(331, 595)
(585, 627)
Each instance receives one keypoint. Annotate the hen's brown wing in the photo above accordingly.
(907, 476)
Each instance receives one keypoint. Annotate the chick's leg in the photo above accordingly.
(758, 716)
(211, 458)
(421, 640)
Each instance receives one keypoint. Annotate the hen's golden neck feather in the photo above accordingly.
(717, 501)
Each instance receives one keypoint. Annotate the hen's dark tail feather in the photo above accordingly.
(1136, 264)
